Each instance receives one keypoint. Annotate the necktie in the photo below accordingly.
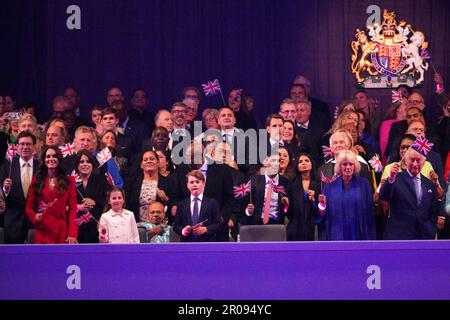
(266, 208)
(195, 212)
(26, 179)
(418, 189)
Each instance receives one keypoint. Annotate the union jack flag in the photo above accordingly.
(110, 179)
(327, 154)
(84, 218)
(11, 152)
(43, 206)
(211, 87)
(103, 156)
(278, 188)
(325, 179)
(68, 149)
(425, 54)
(76, 176)
(375, 163)
(396, 96)
(422, 145)
(241, 190)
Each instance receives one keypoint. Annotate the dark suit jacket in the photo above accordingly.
(209, 210)
(311, 139)
(302, 212)
(219, 186)
(258, 195)
(407, 220)
(133, 191)
(320, 113)
(16, 223)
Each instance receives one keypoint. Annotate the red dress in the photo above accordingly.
(57, 222)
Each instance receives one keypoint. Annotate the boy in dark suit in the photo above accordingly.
(197, 217)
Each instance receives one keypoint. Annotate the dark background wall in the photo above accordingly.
(259, 45)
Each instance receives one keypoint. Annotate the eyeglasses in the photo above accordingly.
(404, 146)
(417, 129)
(178, 111)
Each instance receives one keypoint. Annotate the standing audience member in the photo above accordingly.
(52, 201)
(412, 200)
(197, 217)
(117, 225)
(346, 203)
(16, 178)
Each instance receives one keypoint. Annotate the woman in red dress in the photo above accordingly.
(52, 201)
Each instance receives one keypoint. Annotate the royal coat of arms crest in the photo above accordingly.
(395, 55)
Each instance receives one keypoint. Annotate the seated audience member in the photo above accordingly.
(155, 223)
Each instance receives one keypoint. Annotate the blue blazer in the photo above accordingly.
(407, 220)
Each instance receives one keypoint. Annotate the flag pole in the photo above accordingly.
(223, 100)
(10, 165)
(432, 65)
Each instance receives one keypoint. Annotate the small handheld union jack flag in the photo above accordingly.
(43, 206)
(242, 190)
(211, 87)
(324, 179)
(279, 188)
(422, 145)
(84, 218)
(103, 156)
(76, 176)
(68, 149)
(327, 154)
(375, 163)
(11, 152)
(396, 96)
(110, 179)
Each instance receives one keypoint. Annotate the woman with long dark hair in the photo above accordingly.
(91, 191)
(52, 202)
(304, 190)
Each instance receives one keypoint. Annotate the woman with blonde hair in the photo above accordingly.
(346, 203)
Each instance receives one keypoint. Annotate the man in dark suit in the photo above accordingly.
(268, 196)
(197, 217)
(310, 131)
(15, 188)
(412, 199)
